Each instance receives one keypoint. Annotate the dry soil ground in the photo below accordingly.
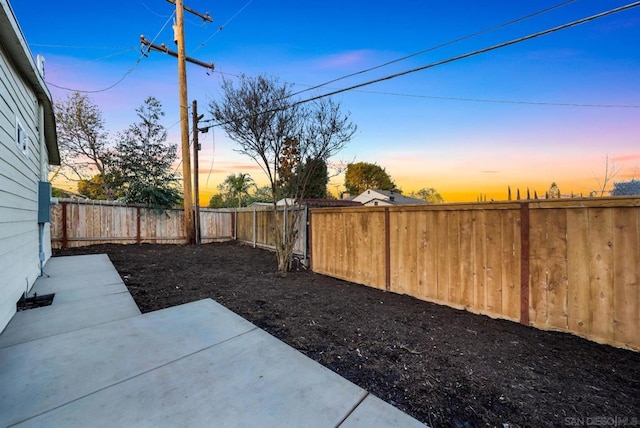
(443, 366)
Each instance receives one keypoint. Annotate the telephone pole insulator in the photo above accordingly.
(163, 48)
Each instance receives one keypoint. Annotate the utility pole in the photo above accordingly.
(189, 224)
(196, 186)
(189, 229)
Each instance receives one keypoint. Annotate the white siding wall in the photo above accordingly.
(19, 176)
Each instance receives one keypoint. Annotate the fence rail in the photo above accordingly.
(568, 265)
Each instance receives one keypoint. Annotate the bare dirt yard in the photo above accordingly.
(443, 366)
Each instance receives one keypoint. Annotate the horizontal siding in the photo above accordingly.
(13, 183)
(20, 268)
(19, 175)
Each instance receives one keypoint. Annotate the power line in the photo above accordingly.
(484, 100)
(457, 58)
(45, 45)
(478, 100)
(474, 53)
(220, 28)
(124, 76)
(469, 36)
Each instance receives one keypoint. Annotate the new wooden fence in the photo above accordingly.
(256, 225)
(77, 223)
(569, 265)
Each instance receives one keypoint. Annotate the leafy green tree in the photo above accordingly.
(626, 188)
(143, 160)
(261, 194)
(92, 188)
(361, 176)
(428, 194)
(218, 201)
(236, 188)
(318, 177)
(260, 116)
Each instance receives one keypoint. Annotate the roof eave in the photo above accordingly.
(17, 49)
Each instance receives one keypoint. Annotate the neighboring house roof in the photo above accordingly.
(386, 197)
(377, 202)
(317, 203)
(13, 42)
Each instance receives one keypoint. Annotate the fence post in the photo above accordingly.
(524, 263)
(234, 221)
(138, 232)
(284, 222)
(305, 233)
(387, 249)
(309, 255)
(254, 228)
(65, 235)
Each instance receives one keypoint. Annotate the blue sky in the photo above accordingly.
(442, 127)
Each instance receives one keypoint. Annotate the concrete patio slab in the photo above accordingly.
(88, 291)
(71, 282)
(78, 265)
(251, 380)
(61, 318)
(86, 361)
(69, 366)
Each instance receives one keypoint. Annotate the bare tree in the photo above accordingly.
(83, 139)
(259, 115)
(610, 172)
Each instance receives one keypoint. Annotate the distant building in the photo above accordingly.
(28, 144)
(317, 203)
(371, 197)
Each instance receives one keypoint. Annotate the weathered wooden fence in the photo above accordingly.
(256, 225)
(76, 223)
(569, 265)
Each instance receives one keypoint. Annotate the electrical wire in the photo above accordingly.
(201, 45)
(460, 39)
(45, 45)
(463, 56)
(124, 76)
(495, 101)
(477, 100)
(473, 53)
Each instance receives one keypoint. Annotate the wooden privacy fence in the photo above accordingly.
(569, 265)
(77, 223)
(256, 225)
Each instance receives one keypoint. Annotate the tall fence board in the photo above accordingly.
(575, 267)
(355, 248)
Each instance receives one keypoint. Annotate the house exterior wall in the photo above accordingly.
(20, 170)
